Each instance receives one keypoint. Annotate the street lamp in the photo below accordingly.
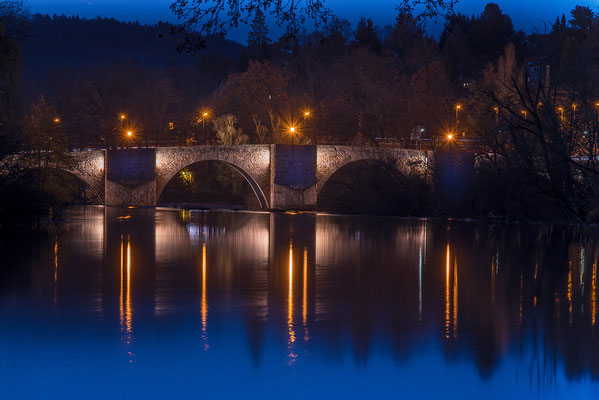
(129, 133)
(307, 114)
(204, 116)
(56, 120)
(450, 136)
(457, 112)
(561, 111)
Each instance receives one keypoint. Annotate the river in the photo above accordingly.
(161, 303)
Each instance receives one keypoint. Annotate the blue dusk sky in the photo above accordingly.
(526, 14)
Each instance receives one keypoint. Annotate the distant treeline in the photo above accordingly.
(59, 41)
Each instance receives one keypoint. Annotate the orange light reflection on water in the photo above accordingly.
(125, 301)
(291, 342)
(55, 267)
(204, 301)
(594, 295)
(455, 298)
(305, 296)
(570, 292)
(447, 298)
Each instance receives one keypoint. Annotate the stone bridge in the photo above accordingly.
(281, 176)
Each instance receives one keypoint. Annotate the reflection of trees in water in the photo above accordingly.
(321, 283)
(487, 291)
(511, 285)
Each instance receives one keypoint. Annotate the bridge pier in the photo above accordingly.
(130, 177)
(293, 177)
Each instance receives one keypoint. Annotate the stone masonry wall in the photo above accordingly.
(293, 177)
(89, 167)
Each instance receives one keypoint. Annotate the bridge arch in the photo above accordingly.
(87, 166)
(251, 161)
(399, 162)
(74, 173)
(389, 169)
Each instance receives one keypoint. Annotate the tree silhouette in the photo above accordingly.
(367, 36)
(258, 39)
(203, 18)
(582, 18)
(13, 18)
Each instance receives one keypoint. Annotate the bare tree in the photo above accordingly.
(13, 18)
(540, 140)
(261, 129)
(227, 132)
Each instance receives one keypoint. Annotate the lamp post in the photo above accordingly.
(561, 111)
(204, 116)
(292, 132)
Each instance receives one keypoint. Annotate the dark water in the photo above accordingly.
(143, 303)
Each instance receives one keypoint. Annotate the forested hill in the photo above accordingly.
(58, 41)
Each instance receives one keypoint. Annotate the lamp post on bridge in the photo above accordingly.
(202, 119)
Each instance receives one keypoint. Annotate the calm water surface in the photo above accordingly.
(144, 303)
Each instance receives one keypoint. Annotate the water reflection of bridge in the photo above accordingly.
(370, 281)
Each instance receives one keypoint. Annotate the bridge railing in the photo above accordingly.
(422, 144)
